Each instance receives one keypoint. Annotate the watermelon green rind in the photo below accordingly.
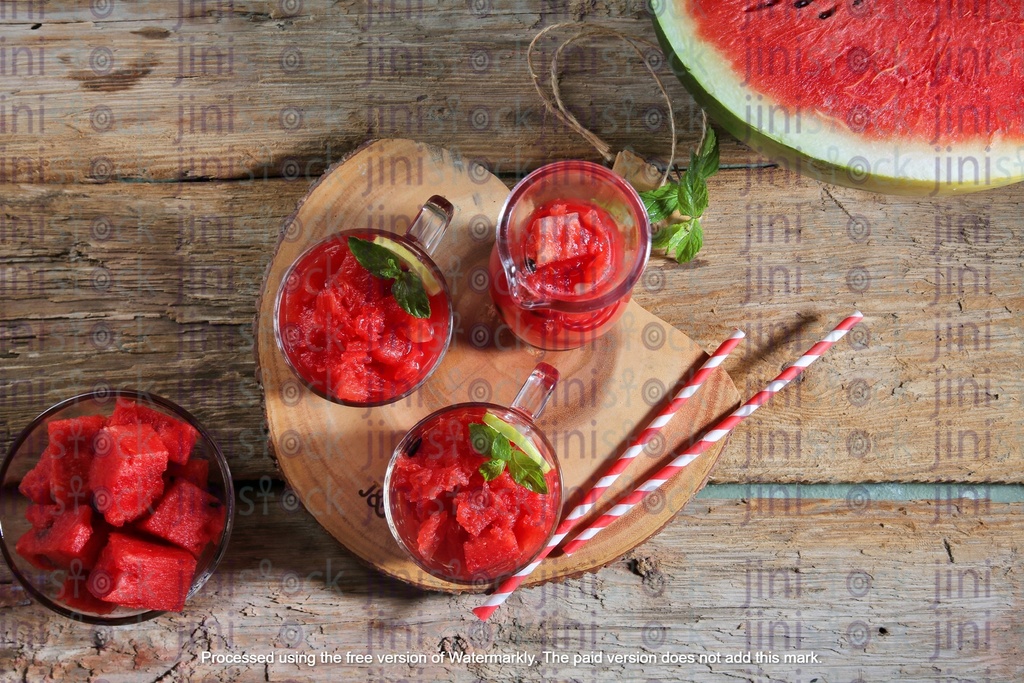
(826, 150)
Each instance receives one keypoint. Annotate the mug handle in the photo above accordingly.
(536, 391)
(429, 226)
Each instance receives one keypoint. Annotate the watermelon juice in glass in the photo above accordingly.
(572, 239)
(473, 492)
(364, 316)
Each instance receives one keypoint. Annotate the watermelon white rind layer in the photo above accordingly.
(807, 142)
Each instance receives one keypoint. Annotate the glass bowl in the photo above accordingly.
(24, 454)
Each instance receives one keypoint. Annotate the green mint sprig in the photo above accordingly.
(684, 237)
(407, 287)
(521, 467)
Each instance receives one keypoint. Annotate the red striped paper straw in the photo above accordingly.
(714, 435)
(617, 468)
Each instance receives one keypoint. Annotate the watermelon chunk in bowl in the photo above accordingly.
(118, 506)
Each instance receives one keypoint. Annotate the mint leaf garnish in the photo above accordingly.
(378, 260)
(683, 237)
(523, 469)
(410, 295)
(481, 436)
(492, 469)
(407, 287)
(501, 449)
(526, 472)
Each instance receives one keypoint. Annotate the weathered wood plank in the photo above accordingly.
(239, 89)
(886, 591)
(155, 285)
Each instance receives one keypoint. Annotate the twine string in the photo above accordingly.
(556, 105)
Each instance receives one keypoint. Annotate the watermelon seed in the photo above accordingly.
(531, 266)
(763, 5)
(827, 13)
(800, 4)
(414, 447)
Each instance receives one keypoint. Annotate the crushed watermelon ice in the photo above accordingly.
(345, 334)
(453, 521)
(569, 244)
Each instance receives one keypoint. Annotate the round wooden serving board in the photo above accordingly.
(334, 457)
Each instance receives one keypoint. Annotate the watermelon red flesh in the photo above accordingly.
(475, 510)
(196, 470)
(431, 533)
(126, 474)
(493, 548)
(142, 574)
(179, 437)
(882, 69)
(71, 453)
(912, 97)
(57, 540)
(183, 517)
(75, 594)
(36, 483)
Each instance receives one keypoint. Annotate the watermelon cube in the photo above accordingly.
(475, 510)
(196, 470)
(71, 453)
(57, 539)
(126, 474)
(183, 516)
(142, 574)
(36, 483)
(430, 534)
(75, 594)
(75, 433)
(531, 532)
(494, 547)
(42, 516)
(179, 437)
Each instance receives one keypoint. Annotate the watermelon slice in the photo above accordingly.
(183, 517)
(179, 437)
(897, 97)
(126, 474)
(142, 574)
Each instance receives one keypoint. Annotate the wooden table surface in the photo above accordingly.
(868, 522)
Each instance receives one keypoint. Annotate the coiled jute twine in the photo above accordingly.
(554, 103)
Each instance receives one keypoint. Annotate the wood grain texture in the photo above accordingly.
(155, 285)
(251, 90)
(895, 591)
(335, 457)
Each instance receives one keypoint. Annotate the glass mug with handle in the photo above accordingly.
(573, 238)
(473, 491)
(364, 316)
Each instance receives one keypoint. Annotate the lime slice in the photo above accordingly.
(518, 438)
(430, 282)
